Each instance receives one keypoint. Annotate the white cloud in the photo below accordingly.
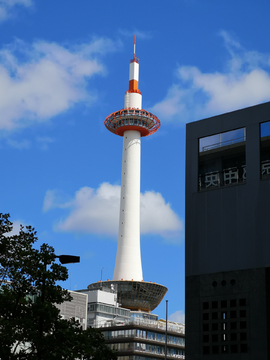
(6, 7)
(157, 217)
(44, 142)
(178, 317)
(97, 211)
(173, 105)
(93, 211)
(138, 33)
(49, 201)
(15, 2)
(55, 199)
(41, 80)
(22, 144)
(244, 82)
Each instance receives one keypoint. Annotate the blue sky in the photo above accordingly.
(64, 68)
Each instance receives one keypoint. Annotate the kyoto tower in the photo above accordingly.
(132, 123)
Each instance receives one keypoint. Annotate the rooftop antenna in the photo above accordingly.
(134, 48)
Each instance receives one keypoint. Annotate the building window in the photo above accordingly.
(205, 316)
(265, 149)
(243, 324)
(206, 350)
(242, 302)
(223, 303)
(224, 349)
(243, 313)
(205, 305)
(214, 304)
(205, 338)
(222, 159)
(243, 336)
(205, 327)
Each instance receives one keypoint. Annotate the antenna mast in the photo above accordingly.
(134, 48)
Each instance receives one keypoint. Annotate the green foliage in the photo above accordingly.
(30, 323)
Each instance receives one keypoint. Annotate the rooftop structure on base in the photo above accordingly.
(132, 123)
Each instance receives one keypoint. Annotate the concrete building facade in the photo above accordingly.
(76, 308)
(103, 308)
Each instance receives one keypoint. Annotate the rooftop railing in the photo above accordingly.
(223, 143)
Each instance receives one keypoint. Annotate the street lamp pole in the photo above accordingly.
(101, 278)
(166, 329)
(64, 259)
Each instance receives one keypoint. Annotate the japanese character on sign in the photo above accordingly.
(244, 172)
(212, 179)
(266, 167)
(230, 175)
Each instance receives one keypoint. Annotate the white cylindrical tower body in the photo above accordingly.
(128, 264)
(133, 100)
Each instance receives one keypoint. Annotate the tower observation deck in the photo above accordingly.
(132, 123)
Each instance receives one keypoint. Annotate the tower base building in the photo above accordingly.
(227, 236)
(135, 335)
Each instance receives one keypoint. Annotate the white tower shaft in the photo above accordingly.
(128, 264)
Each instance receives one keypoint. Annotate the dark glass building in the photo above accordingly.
(228, 236)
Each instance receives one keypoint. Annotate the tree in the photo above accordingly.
(30, 323)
